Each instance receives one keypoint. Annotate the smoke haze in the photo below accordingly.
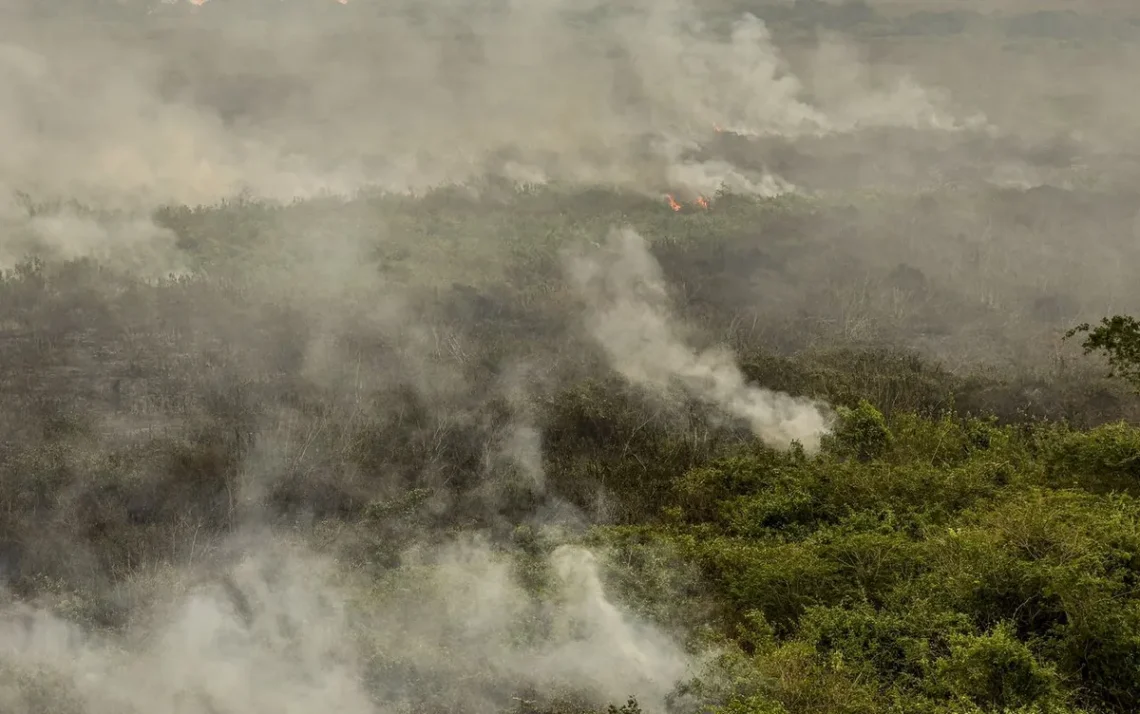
(292, 105)
(317, 317)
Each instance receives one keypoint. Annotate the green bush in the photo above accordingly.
(861, 433)
(1105, 457)
(897, 647)
(997, 672)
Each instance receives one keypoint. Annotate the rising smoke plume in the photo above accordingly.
(628, 315)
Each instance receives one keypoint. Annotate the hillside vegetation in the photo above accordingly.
(965, 540)
(563, 357)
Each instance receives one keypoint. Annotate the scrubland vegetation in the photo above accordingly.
(489, 427)
(963, 541)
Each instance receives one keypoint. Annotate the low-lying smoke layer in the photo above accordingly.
(284, 630)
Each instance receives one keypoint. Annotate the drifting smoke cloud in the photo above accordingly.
(133, 244)
(628, 315)
(292, 105)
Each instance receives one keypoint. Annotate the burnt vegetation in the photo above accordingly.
(966, 540)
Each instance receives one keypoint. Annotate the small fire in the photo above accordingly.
(199, 3)
(718, 128)
(700, 202)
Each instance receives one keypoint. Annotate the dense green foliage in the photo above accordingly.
(946, 564)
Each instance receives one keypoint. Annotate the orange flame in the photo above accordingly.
(672, 202)
(717, 128)
(703, 202)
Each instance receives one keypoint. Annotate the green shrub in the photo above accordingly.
(805, 682)
(750, 705)
(1108, 456)
(896, 647)
(779, 580)
(701, 492)
(997, 672)
(861, 433)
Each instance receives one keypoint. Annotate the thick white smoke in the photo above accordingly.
(295, 103)
(628, 314)
(284, 630)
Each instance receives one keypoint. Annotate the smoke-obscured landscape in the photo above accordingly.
(563, 357)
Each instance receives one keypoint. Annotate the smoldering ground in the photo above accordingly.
(289, 631)
(252, 484)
